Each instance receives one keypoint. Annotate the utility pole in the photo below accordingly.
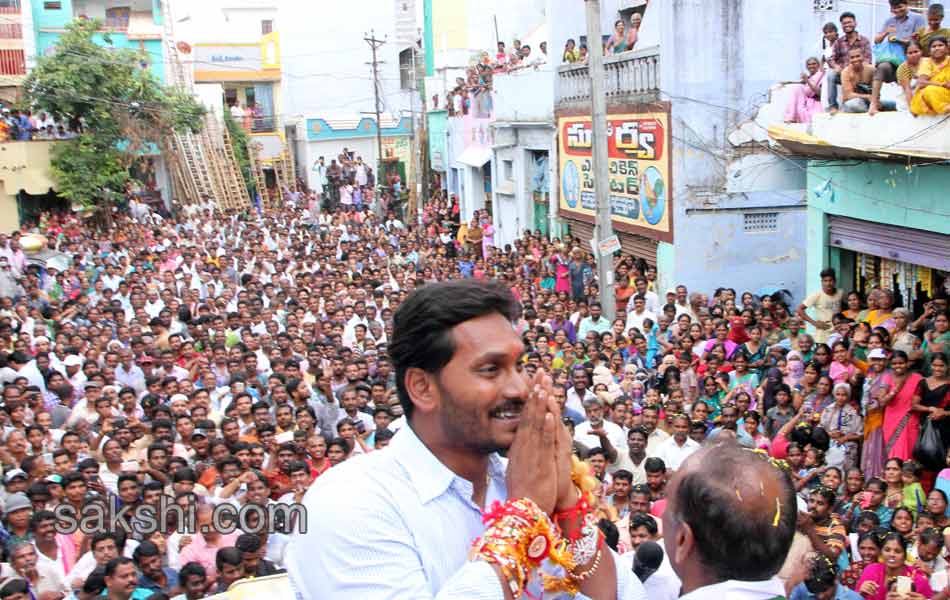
(374, 45)
(600, 166)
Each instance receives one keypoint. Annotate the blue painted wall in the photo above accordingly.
(45, 20)
(319, 130)
(438, 125)
(715, 183)
(914, 197)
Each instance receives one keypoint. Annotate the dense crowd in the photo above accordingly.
(22, 126)
(214, 359)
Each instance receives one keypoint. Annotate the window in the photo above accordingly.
(760, 222)
(8, 7)
(405, 69)
(824, 5)
(508, 169)
(267, 26)
(52, 5)
(12, 62)
(11, 31)
(118, 18)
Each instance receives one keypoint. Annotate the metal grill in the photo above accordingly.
(824, 5)
(760, 222)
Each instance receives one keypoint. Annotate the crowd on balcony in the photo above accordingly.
(472, 93)
(910, 51)
(623, 39)
(23, 126)
(251, 117)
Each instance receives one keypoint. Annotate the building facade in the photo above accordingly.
(133, 24)
(17, 47)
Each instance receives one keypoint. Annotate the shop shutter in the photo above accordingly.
(903, 244)
(637, 245)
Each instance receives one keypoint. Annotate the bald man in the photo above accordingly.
(729, 523)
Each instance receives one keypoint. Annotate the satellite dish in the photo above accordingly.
(184, 47)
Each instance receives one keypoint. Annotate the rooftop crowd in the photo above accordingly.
(210, 359)
(911, 50)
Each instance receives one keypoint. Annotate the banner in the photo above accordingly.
(638, 150)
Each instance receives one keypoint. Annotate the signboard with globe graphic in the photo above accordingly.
(639, 164)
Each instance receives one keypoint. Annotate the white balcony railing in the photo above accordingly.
(627, 75)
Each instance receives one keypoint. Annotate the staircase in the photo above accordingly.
(204, 167)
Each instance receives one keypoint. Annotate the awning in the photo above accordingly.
(475, 156)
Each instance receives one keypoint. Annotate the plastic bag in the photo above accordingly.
(891, 52)
(836, 455)
(929, 450)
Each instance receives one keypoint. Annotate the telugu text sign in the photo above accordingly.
(638, 149)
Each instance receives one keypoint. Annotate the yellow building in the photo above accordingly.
(249, 75)
(24, 167)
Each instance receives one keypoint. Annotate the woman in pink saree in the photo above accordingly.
(901, 421)
(806, 98)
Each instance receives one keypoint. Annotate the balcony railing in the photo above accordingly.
(627, 76)
(10, 7)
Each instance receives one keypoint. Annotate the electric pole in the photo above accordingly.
(600, 166)
(374, 45)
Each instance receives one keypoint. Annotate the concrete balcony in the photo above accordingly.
(631, 77)
(524, 96)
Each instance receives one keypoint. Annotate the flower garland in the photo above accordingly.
(520, 537)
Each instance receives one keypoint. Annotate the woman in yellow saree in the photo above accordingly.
(933, 81)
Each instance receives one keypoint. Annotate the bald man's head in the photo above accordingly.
(733, 515)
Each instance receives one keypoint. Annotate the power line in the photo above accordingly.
(825, 180)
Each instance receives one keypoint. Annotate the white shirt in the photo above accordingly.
(739, 590)
(635, 321)
(615, 434)
(575, 402)
(399, 524)
(662, 585)
(655, 440)
(673, 454)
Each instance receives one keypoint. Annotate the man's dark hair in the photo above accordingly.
(624, 474)
(72, 477)
(748, 539)
(14, 585)
(145, 549)
(297, 465)
(845, 15)
(192, 569)
(654, 465)
(95, 582)
(102, 536)
(831, 272)
(87, 463)
(248, 543)
(185, 474)
(228, 556)
(115, 563)
(40, 516)
(638, 520)
(422, 325)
